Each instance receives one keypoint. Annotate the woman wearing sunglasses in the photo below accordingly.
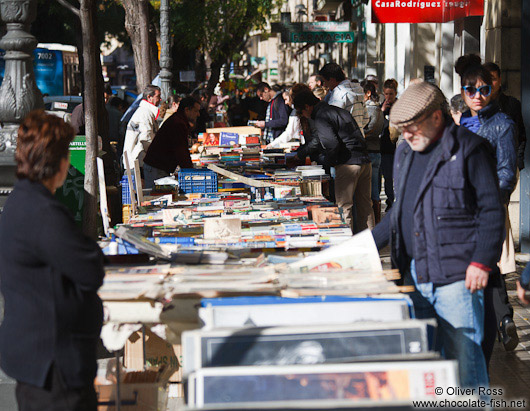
(485, 119)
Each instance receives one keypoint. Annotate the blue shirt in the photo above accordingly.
(472, 123)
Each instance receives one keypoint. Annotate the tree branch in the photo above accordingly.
(70, 7)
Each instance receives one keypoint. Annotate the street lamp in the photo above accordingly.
(18, 93)
(165, 59)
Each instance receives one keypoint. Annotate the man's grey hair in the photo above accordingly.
(150, 90)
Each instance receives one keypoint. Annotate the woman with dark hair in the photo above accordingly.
(485, 118)
(372, 133)
(49, 279)
(293, 131)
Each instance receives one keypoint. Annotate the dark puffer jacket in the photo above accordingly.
(500, 131)
(340, 135)
(512, 107)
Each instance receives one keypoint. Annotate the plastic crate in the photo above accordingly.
(197, 181)
(125, 192)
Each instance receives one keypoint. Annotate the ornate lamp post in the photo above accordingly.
(18, 93)
(165, 60)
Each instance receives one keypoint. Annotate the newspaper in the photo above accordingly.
(358, 253)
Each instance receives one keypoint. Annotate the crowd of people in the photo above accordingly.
(449, 170)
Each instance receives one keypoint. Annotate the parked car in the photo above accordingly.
(126, 93)
(62, 106)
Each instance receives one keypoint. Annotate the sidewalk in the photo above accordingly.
(511, 370)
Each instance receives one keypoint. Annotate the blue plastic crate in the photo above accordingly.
(197, 181)
(125, 192)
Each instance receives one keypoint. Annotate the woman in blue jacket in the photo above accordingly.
(485, 119)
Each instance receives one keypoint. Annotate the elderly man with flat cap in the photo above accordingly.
(446, 227)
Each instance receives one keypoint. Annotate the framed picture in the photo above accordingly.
(277, 311)
(306, 345)
(379, 382)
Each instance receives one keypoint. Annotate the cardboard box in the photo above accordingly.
(157, 352)
(137, 397)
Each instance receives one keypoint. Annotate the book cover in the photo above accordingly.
(229, 139)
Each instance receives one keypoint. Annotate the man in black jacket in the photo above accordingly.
(345, 149)
(446, 227)
(277, 115)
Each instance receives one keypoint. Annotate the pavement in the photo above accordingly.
(511, 370)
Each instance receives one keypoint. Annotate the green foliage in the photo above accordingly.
(54, 23)
(111, 20)
(219, 27)
(57, 24)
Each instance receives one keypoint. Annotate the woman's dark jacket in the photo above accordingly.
(387, 147)
(340, 135)
(49, 279)
(500, 131)
(170, 147)
(453, 224)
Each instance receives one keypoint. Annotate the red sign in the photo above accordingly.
(417, 11)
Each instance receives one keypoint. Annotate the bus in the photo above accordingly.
(56, 68)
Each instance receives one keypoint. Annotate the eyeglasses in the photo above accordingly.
(412, 128)
(471, 91)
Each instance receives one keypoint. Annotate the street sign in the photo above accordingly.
(410, 11)
(315, 32)
(326, 26)
(322, 37)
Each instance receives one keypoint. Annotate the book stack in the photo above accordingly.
(287, 177)
(311, 171)
(231, 156)
(250, 155)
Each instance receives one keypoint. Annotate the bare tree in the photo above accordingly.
(143, 39)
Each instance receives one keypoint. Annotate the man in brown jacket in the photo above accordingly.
(169, 148)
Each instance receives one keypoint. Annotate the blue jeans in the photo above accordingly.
(375, 159)
(387, 164)
(460, 317)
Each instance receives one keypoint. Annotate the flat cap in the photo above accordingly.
(417, 100)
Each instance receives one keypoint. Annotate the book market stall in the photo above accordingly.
(240, 285)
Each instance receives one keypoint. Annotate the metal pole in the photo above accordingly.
(165, 60)
(524, 229)
(118, 383)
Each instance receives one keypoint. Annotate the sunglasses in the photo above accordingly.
(471, 91)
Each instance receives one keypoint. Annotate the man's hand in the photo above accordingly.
(521, 293)
(476, 278)
(260, 124)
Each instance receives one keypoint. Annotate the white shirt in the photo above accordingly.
(141, 130)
